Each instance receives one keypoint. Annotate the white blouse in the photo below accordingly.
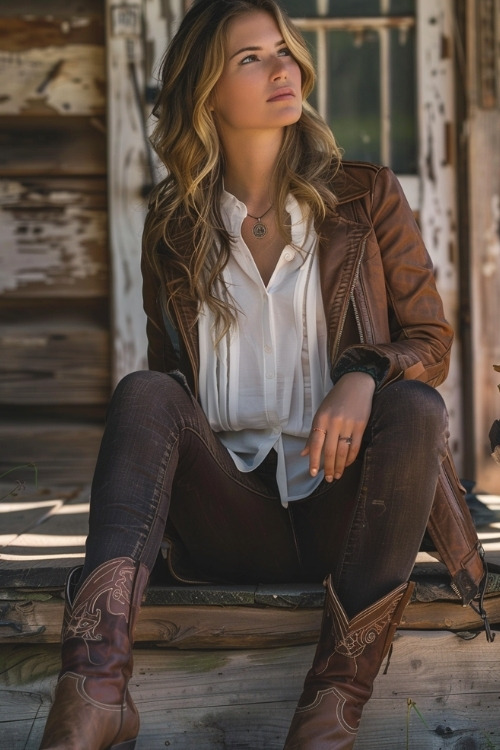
(261, 385)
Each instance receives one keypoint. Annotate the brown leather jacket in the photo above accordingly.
(384, 316)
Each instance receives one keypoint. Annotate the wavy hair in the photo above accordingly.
(184, 236)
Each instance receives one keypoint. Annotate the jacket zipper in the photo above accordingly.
(358, 319)
(356, 312)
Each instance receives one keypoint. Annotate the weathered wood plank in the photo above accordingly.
(53, 234)
(52, 146)
(37, 617)
(61, 9)
(54, 362)
(64, 453)
(52, 65)
(41, 30)
(245, 699)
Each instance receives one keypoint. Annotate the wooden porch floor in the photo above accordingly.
(223, 667)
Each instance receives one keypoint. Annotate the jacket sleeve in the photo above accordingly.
(420, 336)
(161, 352)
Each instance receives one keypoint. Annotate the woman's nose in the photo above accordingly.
(279, 71)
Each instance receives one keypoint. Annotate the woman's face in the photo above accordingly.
(260, 86)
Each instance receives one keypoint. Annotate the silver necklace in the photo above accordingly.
(259, 229)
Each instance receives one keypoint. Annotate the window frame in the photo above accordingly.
(321, 25)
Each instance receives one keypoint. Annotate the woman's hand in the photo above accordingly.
(339, 424)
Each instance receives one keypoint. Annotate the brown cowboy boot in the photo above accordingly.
(92, 708)
(340, 681)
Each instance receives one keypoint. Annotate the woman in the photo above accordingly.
(288, 429)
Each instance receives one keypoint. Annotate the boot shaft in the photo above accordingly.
(347, 660)
(367, 636)
(98, 627)
(92, 708)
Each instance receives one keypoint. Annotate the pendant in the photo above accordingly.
(259, 230)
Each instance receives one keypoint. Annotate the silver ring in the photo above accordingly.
(347, 440)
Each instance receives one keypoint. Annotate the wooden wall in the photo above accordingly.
(54, 267)
(483, 130)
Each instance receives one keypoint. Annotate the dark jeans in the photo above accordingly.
(159, 458)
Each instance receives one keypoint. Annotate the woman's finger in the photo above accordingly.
(314, 448)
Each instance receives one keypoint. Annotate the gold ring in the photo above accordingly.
(318, 429)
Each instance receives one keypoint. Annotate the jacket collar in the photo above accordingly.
(348, 188)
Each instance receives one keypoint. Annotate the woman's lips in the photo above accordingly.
(282, 94)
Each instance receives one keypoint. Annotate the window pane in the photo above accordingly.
(403, 102)
(347, 8)
(354, 93)
(402, 8)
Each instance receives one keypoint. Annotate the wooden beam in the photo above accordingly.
(52, 65)
(52, 146)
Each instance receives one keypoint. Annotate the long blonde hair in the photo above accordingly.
(184, 236)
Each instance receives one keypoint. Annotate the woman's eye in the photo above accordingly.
(284, 52)
(247, 59)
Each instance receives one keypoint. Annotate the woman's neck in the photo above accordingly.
(249, 171)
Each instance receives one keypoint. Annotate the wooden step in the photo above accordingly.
(219, 621)
(44, 535)
(440, 692)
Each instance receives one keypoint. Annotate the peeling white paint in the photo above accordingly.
(77, 86)
(49, 239)
(438, 212)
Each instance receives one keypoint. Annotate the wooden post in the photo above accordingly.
(138, 34)
(436, 109)
(128, 167)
